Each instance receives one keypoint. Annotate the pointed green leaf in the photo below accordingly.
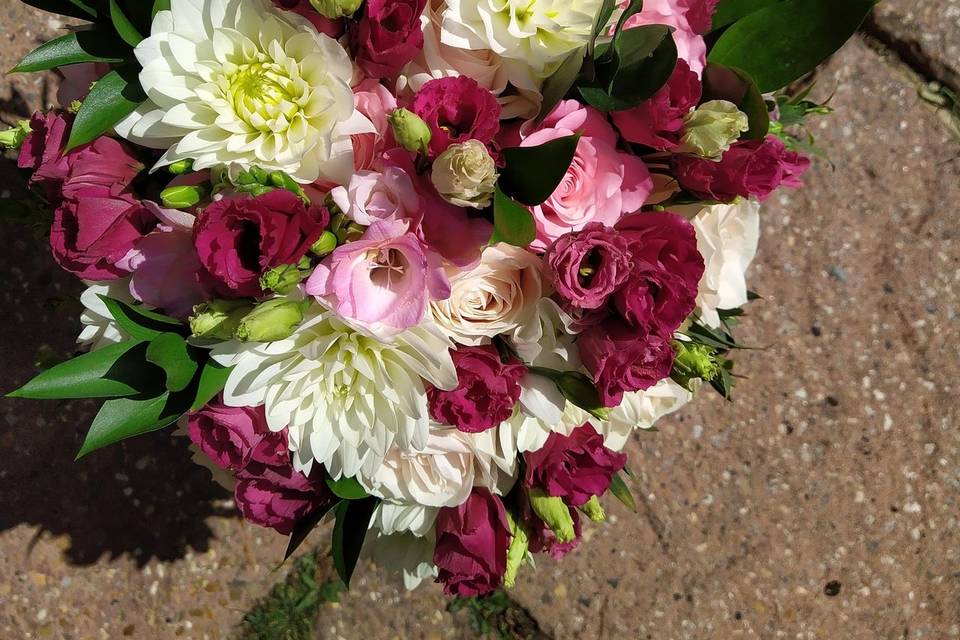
(94, 45)
(112, 98)
(556, 86)
(127, 417)
(304, 526)
(599, 23)
(114, 371)
(353, 519)
(642, 61)
(141, 323)
(170, 352)
(532, 174)
(213, 377)
(347, 488)
(512, 223)
(83, 9)
(729, 11)
(125, 28)
(621, 491)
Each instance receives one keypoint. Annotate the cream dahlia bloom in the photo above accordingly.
(242, 83)
(346, 398)
(727, 237)
(539, 32)
(395, 517)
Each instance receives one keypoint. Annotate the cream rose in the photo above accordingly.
(727, 237)
(497, 297)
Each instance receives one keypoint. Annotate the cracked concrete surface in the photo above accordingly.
(822, 503)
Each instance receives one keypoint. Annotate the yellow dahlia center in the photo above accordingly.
(263, 95)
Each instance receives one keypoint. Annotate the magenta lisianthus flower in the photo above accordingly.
(574, 467)
(278, 496)
(621, 358)
(486, 393)
(42, 152)
(229, 435)
(105, 162)
(658, 122)
(471, 547)
(457, 109)
(689, 20)
(238, 239)
(382, 281)
(586, 267)
(166, 271)
(387, 36)
(541, 538)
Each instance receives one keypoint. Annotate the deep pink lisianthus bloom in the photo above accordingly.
(750, 168)
(601, 184)
(166, 272)
(621, 358)
(690, 19)
(229, 435)
(95, 229)
(238, 239)
(658, 122)
(457, 109)
(387, 36)
(375, 101)
(105, 162)
(586, 267)
(471, 547)
(541, 538)
(77, 80)
(42, 151)
(574, 467)
(278, 496)
(487, 390)
(383, 281)
(661, 290)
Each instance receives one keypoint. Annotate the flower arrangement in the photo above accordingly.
(425, 266)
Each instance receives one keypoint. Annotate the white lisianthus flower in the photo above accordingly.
(345, 397)
(99, 327)
(539, 32)
(402, 553)
(242, 83)
(727, 237)
(497, 297)
(641, 410)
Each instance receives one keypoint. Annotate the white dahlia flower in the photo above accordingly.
(345, 397)
(99, 327)
(394, 517)
(242, 83)
(539, 32)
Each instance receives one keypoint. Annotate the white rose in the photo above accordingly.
(727, 237)
(497, 297)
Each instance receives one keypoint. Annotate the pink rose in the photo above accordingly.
(457, 109)
(586, 267)
(42, 151)
(238, 239)
(751, 168)
(95, 228)
(658, 122)
(371, 196)
(387, 36)
(278, 497)
(621, 358)
(486, 393)
(575, 467)
(229, 435)
(601, 185)
(690, 19)
(661, 290)
(375, 101)
(471, 547)
(326, 26)
(384, 280)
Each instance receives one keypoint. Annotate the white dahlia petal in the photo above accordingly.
(99, 327)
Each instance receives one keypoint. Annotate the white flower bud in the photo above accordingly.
(465, 175)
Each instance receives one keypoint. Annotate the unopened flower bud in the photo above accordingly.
(181, 167)
(13, 138)
(465, 175)
(271, 320)
(183, 196)
(335, 9)
(516, 552)
(218, 318)
(555, 514)
(281, 279)
(410, 131)
(693, 362)
(592, 509)
(325, 245)
(283, 180)
(712, 128)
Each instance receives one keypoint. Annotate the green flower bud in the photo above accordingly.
(712, 128)
(592, 509)
(693, 362)
(181, 167)
(282, 180)
(184, 196)
(411, 132)
(465, 175)
(281, 279)
(325, 245)
(272, 320)
(13, 138)
(335, 9)
(260, 175)
(218, 318)
(517, 552)
(554, 513)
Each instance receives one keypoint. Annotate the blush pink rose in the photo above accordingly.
(375, 101)
(658, 122)
(690, 19)
(387, 36)
(371, 196)
(457, 109)
(601, 185)
(487, 390)
(471, 548)
(383, 281)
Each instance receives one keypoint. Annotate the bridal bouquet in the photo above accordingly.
(422, 266)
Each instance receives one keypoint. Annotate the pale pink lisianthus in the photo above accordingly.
(383, 281)
(601, 185)
(689, 20)
(375, 101)
(372, 196)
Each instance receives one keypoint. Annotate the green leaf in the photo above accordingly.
(160, 5)
(125, 28)
(512, 223)
(304, 526)
(643, 60)
(142, 323)
(532, 174)
(603, 17)
(353, 519)
(170, 352)
(577, 388)
(780, 43)
(94, 45)
(711, 337)
(127, 417)
(557, 85)
(347, 488)
(213, 377)
(112, 98)
(729, 11)
(622, 493)
(113, 371)
(736, 86)
(83, 9)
